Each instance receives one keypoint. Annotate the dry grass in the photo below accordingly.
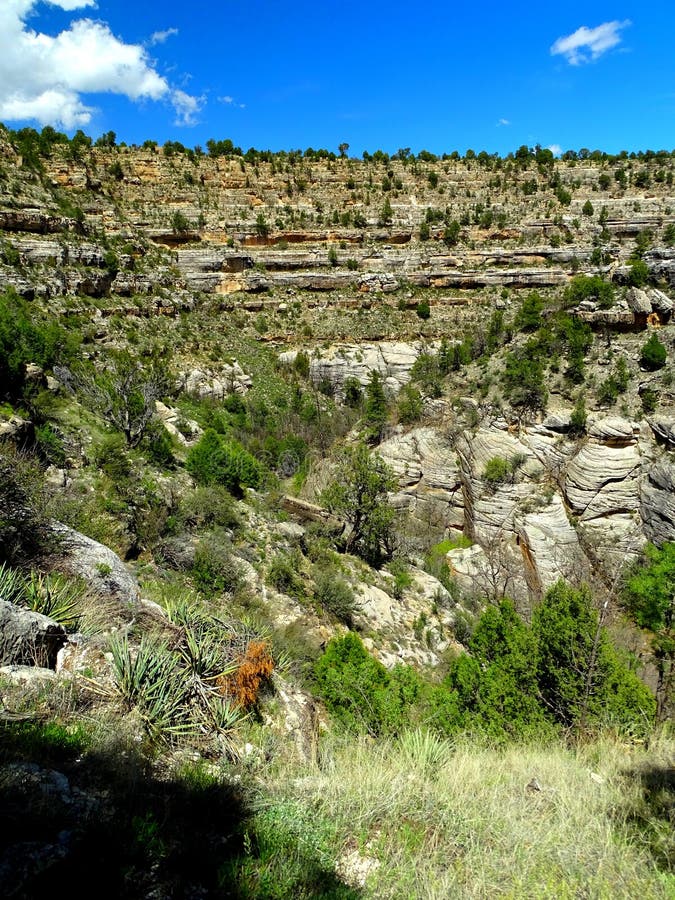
(464, 821)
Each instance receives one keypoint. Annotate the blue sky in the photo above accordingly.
(436, 76)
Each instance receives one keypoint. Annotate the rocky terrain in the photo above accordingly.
(297, 306)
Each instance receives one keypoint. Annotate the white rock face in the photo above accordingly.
(550, 547)
(657, 505)
(603, 480)
(430, 488)
(230, 380)
(424, 608)
(392, 359)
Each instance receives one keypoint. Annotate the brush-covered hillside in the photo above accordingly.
(337, 522)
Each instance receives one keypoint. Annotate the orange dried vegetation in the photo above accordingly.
(255, 666)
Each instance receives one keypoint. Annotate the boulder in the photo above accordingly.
(230, 380)
(639, 301)
(660, 302)
(613, 431)
(99, 566)
(28, 638)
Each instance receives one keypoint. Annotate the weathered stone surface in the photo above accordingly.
(171, 418)
(377, 282)
(657, 502)
(430, 488)
(664, 429)
(639, 301)
(300, 716)
(661, 303)
(230, 380)
(28, 675)
(550, 547)
(613, 431)
(99, 566)
(28, 638)
(392, 359)
(602, 480)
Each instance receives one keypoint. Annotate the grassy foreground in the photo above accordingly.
(420, 817)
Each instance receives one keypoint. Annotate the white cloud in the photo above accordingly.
(44, 77)
(187, 107)
(555, 149)
(160, 36)
(502, 122)
(70, 5)
(230, 101)
(588, 44)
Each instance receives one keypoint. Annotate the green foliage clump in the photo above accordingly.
(653, 354)
(335, 595)
(360, 693)
(497, 471)
(283, 575)
(24, 527)
(650, 598)
(578, 417)
(375, 411)
(581, 679)
(214, 569)
(523, 378)
(25, 339)
(214, 460)
(423, 309)
(494, 689)
(589, 287)
(426, 373)
(639, 274)
(528, 317)
(517, 682)
(410, 405)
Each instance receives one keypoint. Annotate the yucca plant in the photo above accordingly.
(54, 596)
(12, 584)
(149, 680)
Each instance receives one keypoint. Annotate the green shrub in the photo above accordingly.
(649, 399)
(589, 287)
(214, 569)
(335, 595)
(282, 574)
(528, 317)
(578, 418)
(25, 339)
(410, 405)
(497, 471)
(580, 677)
(360, 693)
(653, 354)
(214, 460)
(639, 273)
(49, 445)
(423, 309)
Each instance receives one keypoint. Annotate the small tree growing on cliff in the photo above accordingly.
(124, 394)
(359, 496)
